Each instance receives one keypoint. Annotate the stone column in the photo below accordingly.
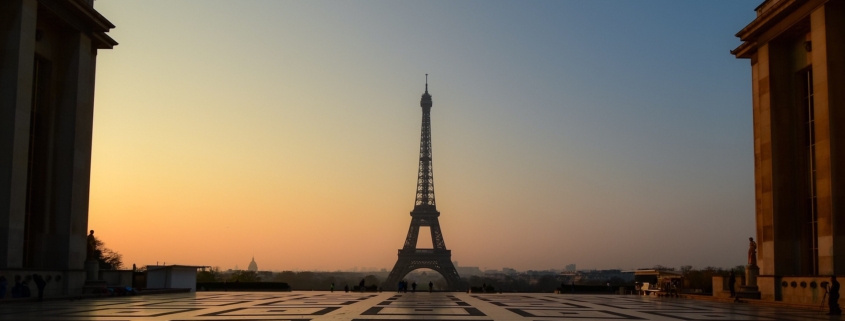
(833, 53)
(823, 139)
(17, 33)
(763, 170)
(72, 172)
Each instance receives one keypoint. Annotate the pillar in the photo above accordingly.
(17, 33)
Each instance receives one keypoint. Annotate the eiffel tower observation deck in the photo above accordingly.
(425, 213)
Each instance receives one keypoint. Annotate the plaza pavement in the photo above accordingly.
(339, 306)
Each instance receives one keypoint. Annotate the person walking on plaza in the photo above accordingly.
(361, 285)
(414, 287)
(332, 288)
(39, 284)
(430, 286)
(346, 288)
(732, 285)
(833, 297)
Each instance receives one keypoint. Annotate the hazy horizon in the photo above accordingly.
(607, 134)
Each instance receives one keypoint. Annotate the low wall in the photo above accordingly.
(766, 284)
(117, 277)
(801, 290)
(720, 286)
(805, 290)
(58, 282)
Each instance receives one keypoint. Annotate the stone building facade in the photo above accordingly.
(47, 67)
(797, 54)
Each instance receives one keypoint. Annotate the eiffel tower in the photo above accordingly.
(425, 214)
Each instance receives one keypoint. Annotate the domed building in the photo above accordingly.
(252, 265)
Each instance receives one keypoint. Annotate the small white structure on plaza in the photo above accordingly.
(172, 277)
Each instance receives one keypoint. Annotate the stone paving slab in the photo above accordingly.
(339, 306)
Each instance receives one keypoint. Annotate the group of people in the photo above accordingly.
(403, 286)
(346, 287)
(21, 287)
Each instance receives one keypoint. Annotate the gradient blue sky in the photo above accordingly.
(610, 134)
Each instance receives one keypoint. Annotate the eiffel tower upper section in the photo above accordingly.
(425, 204)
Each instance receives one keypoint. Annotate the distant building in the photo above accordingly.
(467, 271)
(252, 266)
(593, 276)
(796, 52)
(540, 272)
(507, 270)
(571, 267)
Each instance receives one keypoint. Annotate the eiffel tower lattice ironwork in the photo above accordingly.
(425, 213)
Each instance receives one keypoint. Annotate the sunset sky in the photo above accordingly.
(610, 134)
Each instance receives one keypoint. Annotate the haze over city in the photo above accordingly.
(604, 133)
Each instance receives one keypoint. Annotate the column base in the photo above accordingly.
(750, 290)
(92, 270)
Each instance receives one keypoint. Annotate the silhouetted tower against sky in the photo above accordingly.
(425, 214)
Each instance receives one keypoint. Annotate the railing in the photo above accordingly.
(424, 251)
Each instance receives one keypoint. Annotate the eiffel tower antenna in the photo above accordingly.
(425, 214)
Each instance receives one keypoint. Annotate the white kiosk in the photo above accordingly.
(172, 277)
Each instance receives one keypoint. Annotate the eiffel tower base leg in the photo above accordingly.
(440, 263)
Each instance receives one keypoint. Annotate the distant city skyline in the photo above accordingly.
(611, 134)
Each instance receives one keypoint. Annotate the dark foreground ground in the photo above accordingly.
(341, 306)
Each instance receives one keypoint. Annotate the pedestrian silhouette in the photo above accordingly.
(2, 286)
(732, 286)
(16, 288)
(25, 293)
(833, 297)
(39, 284)
(414, 287)
(430, 286)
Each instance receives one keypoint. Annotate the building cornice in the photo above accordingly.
(767, 18)
(777, 18)
(82, 16)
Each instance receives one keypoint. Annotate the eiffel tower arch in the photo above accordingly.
(425, 213)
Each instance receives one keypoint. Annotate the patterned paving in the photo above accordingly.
(339, 306)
